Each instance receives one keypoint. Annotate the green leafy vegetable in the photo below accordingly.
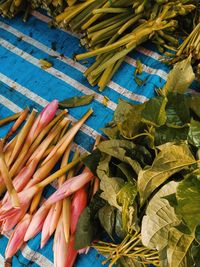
(85, 230)
(194, 104)
(159, 218)
(194, 133)
(155, 116)
(128, 118)
(167, 134)
(178, 114)
(107, 218)
(118, 149)
(180, 77)
(170, 160)
(76, 101)
(179, 245)
(126, 198)
(188, 197)
(110, 186)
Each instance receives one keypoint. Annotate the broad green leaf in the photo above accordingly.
(170, 160)
(180, 77)
(195, 254)
(88, 224)
(194, 104)
(159, 218)
(177, 109)
(110, 186)
(85, 230)
(118, 225)
(166, 134)
(126, 170)
(119, 149)
(126, 198)
(107, 218)
(76, 101)
(194, 133)
(154, 112)
(128, 118)
(188, 199)
(92, 160)
(111, 132)
(179, 245)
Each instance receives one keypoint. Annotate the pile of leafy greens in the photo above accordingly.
(149, 196)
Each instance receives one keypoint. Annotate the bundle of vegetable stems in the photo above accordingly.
(112, 29)
(27, 157)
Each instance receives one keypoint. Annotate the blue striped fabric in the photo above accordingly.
(24, 83)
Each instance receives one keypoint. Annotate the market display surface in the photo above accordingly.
(37, 67)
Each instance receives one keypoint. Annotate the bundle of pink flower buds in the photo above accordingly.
(26, 161)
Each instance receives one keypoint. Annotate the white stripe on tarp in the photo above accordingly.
(141, 49)
(161, 73)
(37, 99)
(9, 104)
(31, 255)
(47, 19)
(56, 73)
(2, 260)
(36, 257)
(114, 86)
(148, 53)
(43, 47)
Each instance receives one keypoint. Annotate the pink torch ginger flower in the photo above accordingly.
(71, 253)
(43, 119)
(51, 222)
(71, 186)
(17, 238)
(66, 189)
(60, 246)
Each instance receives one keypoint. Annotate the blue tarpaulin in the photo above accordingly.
(24, 83)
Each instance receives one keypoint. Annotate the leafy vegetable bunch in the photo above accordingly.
(112, 29)
(148, 202)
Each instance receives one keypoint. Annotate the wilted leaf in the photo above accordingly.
(110, 186)
(154, 112)
(126, 198)
(179, 245)
(159, 218)
(45, 64)
(107, 218)
(180, 77)
(139, 67)
(170, 160)
(194, 133)
(76, 101)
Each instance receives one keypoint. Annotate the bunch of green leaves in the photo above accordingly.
(9, 8)
(150, 179)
